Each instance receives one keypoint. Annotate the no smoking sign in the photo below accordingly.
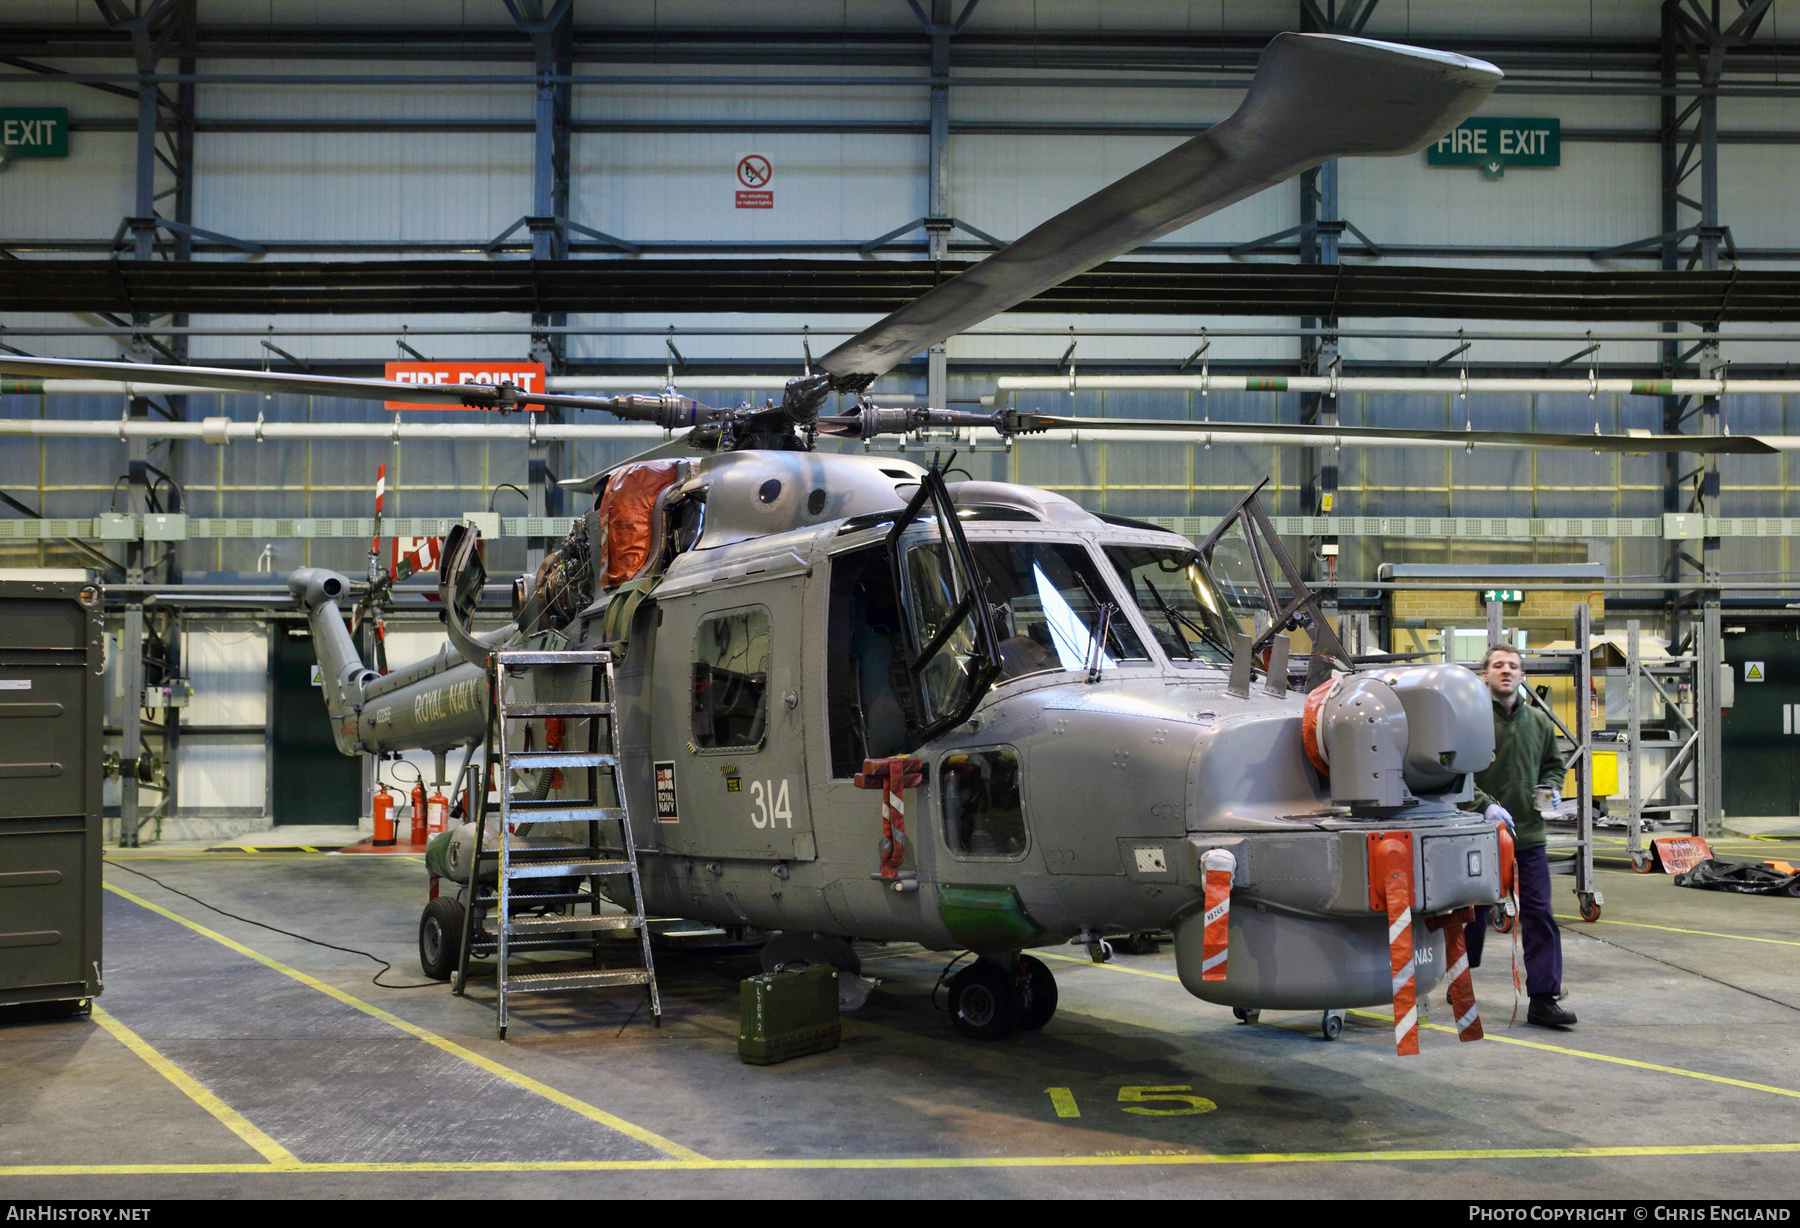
(754, 171)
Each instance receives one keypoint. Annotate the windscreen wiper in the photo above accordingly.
(1206, 636)
(1174, 620)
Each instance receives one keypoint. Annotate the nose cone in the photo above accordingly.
(1107, 766)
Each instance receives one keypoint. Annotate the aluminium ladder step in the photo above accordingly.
(557, 708)
(549, 982)
(583, 924)
(553, 811)
(564, 869)
(536, 656)
(537, 760)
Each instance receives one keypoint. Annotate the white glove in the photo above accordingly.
(1555, 800)
(1496, 813)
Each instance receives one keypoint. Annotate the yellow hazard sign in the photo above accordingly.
(1754, 671)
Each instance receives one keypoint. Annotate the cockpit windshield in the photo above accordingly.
(1049, 603)
(1191, 618)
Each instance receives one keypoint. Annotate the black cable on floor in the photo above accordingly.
(1677, 967)
(386, 967)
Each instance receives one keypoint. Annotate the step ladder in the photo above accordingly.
(606, 849)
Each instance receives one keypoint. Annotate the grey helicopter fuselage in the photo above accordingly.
(1078, 795)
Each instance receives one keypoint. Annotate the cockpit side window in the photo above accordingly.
(984, 815)
(731, 679)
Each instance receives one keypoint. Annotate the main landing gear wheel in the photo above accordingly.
(1590, 908)
(1036, 994)
(983, 1004)
(440, 938)
(1331, 1024)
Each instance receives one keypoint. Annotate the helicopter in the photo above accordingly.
(1089, 721)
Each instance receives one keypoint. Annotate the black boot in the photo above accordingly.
(1547, 1012)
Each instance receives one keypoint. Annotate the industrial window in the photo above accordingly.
(983, 813)
(731, 679)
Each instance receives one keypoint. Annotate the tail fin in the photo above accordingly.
(342, 674)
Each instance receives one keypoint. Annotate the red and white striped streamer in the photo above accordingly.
(1392, 861)
(1462, 985)
(1220, 866)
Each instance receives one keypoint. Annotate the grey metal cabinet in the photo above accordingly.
(50, 790)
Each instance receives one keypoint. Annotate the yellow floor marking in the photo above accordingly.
(1673, 929)
(431, 1038)
(204, 855)
(1604, 1057)
(1076, 959)
(1178, 1159)
(1507, 1040)
(233, 1120)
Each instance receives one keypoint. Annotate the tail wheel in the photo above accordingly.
(1036, 994)
(440, 938)
(983, 1004)
(1141, 943)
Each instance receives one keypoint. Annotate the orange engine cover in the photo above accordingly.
(626, 510)
(1309, 725)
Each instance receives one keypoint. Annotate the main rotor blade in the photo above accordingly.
(148, 377)
(1348, 435)
(1315, 97)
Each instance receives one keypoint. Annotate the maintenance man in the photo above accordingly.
(1525, 760)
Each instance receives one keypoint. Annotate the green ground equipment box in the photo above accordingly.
(787, 1014)
(50, 772)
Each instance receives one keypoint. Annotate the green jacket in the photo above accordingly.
(1525, 756)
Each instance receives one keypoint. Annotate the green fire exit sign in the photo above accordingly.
(1503, 595)
(1494, 144)
(33, 132)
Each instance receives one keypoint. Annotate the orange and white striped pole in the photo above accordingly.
(1390, 870)
(1215, 940)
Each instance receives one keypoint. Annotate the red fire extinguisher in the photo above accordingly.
(419, 835)
(437, 811)
(384, 817)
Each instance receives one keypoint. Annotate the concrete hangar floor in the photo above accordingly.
(228, 1060)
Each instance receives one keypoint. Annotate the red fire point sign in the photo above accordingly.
(525, 376)
(754, 172)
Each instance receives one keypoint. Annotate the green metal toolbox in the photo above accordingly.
(50, 772)
(788, 1014)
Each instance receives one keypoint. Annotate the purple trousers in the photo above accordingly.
(1537, 927)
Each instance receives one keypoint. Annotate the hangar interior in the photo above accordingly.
(640, 196)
